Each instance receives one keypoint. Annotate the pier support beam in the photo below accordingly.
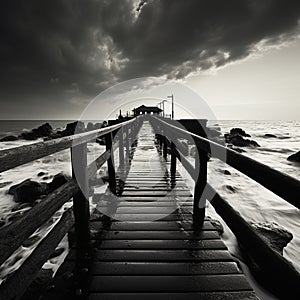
(81, 206)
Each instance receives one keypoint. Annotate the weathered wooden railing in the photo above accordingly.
(279, 273)
(13, 235)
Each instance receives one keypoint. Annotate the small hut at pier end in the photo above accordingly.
(144, 110)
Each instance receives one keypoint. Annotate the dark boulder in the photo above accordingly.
(294, 157)
(44, 130)
(239, 131)
(77, 126)
(57, 181)
(28, 191)
(29, 135)
(239, 141)
(231, 189)
(269, 135)
(90, 126)
(9, 138)
(277, 237)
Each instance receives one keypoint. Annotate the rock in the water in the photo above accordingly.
(239, 131)
(276, 236)
(269, 135)
(236, 138)
(230, 188)
(28, 191)
(239, 141)
(44, 130)
(41, 131)
(9, 138)
(294, 157)
(77, 126)
(57, 181)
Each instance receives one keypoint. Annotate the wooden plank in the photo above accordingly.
(174, 296)
(156, 188)
(156, 193)
(154, 185)
(147, 210)
(158, 225)
(138, 203)
(147, 217)
(216, 244)
(157, 198)
(163, 268)
(160, 235)
(163, 255)
(138, 210)
(195, 283)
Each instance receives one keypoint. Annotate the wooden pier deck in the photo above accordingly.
(148, 237)
(150, 250)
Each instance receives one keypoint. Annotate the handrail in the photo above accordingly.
(284, 278)
(270, 178)
(14, 157)
(13, 235)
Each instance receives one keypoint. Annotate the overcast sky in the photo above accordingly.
(241, 56)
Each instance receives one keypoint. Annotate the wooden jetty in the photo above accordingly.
(148, 237)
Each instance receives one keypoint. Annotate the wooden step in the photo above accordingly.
(196, 283)
(215, 244)
(160, 235)
(163, 268)
(233, 295)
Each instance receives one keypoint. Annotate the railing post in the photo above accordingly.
(121, 148)
(110, 163)
(173, 159)
(165, 147)
(81, 206)
(127, 145)
(199, 207)
(173, 165)
(160, 138)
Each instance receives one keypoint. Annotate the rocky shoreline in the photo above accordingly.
(46, 131)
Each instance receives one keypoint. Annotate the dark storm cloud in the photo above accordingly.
(75, 47)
